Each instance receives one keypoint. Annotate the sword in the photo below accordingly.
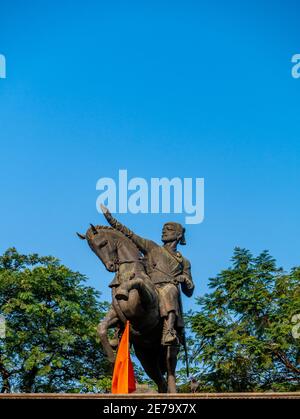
(184, 338)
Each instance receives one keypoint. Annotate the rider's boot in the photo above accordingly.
(170, 334)
(170, 337)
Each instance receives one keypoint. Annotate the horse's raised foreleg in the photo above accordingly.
(146, 292)
(110, 320)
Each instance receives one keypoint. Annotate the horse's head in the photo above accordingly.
(111, 246)
(103, 241)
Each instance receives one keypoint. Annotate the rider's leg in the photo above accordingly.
(170, 335)
(171, 358)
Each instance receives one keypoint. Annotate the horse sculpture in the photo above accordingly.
(139, 304)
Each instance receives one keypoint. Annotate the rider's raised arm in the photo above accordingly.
(187, 285)
(143, 245)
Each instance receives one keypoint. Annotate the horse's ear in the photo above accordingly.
(94, 230)
(81, 236)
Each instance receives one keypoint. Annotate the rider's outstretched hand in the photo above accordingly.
(104, 209)
(107, 214)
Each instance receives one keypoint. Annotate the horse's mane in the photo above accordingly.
(105, 228)
(113, 230)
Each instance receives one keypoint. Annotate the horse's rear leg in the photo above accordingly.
(110, 320)
(150, 363)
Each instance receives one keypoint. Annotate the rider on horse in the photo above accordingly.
(167, 268)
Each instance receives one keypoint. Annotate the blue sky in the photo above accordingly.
(188, 89)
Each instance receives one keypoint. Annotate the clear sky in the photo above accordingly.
(181, 88)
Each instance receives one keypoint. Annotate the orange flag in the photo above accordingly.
(123, 381)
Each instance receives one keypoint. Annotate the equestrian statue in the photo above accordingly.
(145, 291)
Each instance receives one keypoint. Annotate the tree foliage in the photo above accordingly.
(245, 336)
(50, 343)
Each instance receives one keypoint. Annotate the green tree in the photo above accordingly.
(244, 336)
(50, 342)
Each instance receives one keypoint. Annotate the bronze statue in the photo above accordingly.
(145, 290)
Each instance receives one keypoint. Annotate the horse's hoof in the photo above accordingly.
(114, 343)
(122, 295)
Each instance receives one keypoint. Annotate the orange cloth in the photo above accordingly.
(123, 381)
